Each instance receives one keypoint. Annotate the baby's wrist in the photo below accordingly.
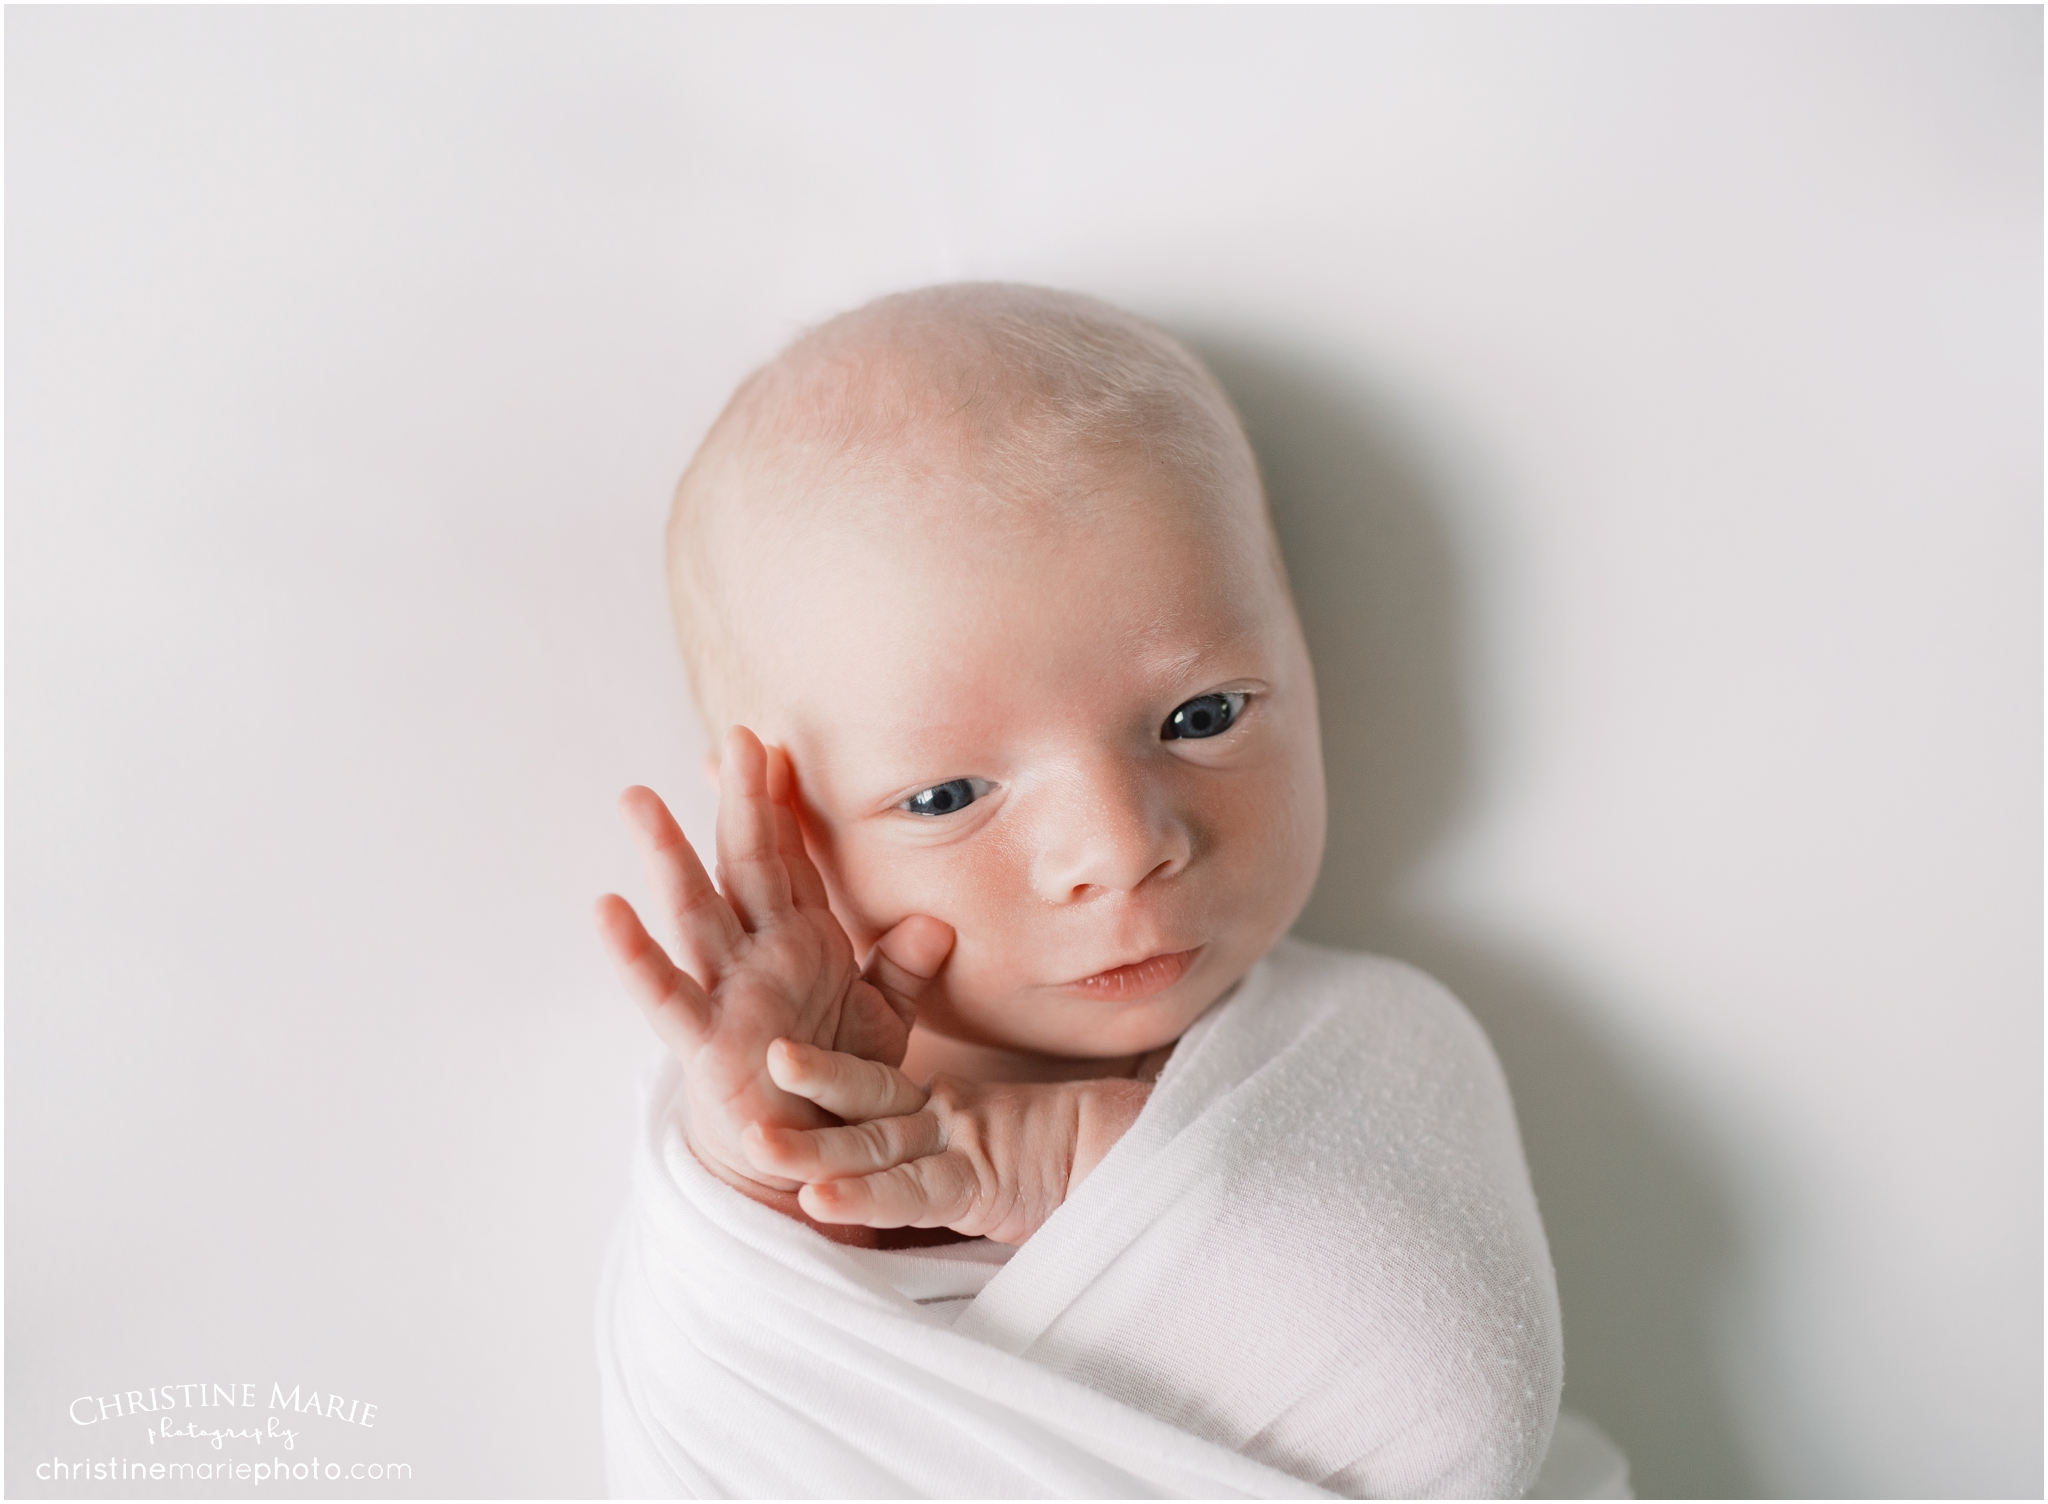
(1104, 1112)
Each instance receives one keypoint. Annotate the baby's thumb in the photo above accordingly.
(906, 961)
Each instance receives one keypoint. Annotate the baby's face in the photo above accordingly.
(1089, 748)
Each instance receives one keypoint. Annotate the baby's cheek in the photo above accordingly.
(1268, 835)
(987, 957)
(876, 887)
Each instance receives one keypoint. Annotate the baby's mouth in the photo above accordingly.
(1140, 978)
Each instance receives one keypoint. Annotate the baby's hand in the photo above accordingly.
(762, 958)
(986, 1160)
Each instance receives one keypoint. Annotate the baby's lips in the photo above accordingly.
(1138, 979)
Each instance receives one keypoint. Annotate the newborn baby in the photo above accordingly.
(1020, 784)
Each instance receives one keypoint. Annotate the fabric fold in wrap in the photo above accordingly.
(1313, 1266)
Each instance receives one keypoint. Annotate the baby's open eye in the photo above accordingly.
(1204, 715)
(944, 798)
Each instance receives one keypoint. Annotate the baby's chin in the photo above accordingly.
(1056, 1026)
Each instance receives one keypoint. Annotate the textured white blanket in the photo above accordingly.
(1313, 1266)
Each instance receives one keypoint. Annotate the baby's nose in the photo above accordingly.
(1108, 831)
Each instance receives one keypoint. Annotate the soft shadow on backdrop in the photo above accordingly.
(1639, 1229)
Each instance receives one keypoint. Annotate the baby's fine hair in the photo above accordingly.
(1017, 394)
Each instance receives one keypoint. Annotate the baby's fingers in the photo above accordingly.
(704, 925)
(829, 1153)
(844, 1085)
(906, 961)
(675, 1005)
(936, 1191)
(806, 886)
(751, 873)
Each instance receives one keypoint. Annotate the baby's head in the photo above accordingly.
(993, 564)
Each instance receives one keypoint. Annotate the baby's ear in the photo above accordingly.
(711, 769)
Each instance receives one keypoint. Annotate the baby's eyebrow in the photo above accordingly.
(1181, 661)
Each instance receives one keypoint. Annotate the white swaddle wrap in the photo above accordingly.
(1312, 1266)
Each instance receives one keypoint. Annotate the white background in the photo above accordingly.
(1652, 405)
